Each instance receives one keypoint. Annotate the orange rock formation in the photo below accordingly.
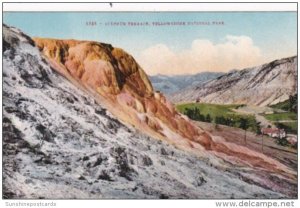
(115, 77)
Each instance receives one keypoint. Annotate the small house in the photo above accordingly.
(274, 132)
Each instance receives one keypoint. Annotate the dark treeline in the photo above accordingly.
(233, 120)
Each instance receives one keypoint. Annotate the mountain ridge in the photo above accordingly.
(263, 85)
(169, 84)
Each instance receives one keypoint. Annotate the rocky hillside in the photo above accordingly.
(171, 84)
(104, 133)
(263, 85)
(117, 81)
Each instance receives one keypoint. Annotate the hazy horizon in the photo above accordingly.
(207, 71)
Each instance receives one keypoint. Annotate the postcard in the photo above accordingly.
(150, 101)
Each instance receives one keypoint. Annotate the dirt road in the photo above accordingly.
(256, 111)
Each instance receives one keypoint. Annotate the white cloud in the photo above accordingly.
(235, 52)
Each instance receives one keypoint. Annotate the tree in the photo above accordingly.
(220, 120)
(293, 103)
(229, 121)
(208, 118)
(244, 124)
(257, 128)
(201, 117)
(280, 125)
(194, 114)
(282, 141)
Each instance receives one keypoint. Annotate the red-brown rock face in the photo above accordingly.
(118, 81)
(115, 75)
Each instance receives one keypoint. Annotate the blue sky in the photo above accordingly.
(274, 33)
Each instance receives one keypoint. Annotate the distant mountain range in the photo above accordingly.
(263, 85)
(170, 84)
